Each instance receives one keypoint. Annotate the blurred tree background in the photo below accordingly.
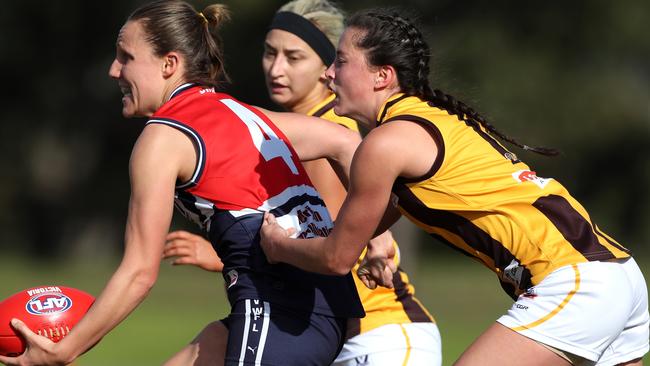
(574, 75)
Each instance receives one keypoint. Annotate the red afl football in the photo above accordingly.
(50, 311)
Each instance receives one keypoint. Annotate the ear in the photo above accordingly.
(385, 77)
(171, 64)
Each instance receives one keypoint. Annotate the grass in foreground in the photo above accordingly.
(464, 297)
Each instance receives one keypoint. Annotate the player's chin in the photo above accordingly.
(281, 98)
(340, 110)
(126, 113)
(129, 111)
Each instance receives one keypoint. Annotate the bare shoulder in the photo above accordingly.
(161, 139)
(160, 147)
(404, 145)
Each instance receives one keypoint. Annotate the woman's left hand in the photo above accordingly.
(39, 350)
(378, 265)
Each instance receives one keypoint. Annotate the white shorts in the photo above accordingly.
(595, 310)
(393, 344)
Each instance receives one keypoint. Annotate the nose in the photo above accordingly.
(115, 69)
(277, 66)
(329, 73)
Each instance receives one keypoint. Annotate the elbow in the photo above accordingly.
(336, 266)
(340, 270)
(143, 280)
(353, 142)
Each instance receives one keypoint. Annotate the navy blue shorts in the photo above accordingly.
(261, 333)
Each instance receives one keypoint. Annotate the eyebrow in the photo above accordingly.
(286, 50)
(121, 49)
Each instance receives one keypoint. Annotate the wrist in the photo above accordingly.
(64, 352)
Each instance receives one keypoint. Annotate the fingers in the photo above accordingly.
(178, 249)
(269, 219)
(387, 277)
(184, 261)
(368, 282)
(180, 234)
(20, 327)
(365, 275)
(375, 273)
(9, 361)
(392, 266)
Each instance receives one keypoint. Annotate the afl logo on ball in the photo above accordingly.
(48, 304)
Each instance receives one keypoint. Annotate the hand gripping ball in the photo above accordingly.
(50, 311)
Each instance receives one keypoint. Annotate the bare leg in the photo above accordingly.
(501, 346)
(208, 348)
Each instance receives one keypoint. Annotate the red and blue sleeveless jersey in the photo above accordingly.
(245, 167)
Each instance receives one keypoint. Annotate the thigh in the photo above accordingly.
(207, 349)
(266, 334)
(501, 346)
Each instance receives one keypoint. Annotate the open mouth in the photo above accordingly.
(126, 90)
(277, 86)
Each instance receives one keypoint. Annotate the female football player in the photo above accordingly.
(435, 159)
(397, 329)
(222, 163)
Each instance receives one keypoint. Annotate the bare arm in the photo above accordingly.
(387, 152)
(155, 164)
(315, 138)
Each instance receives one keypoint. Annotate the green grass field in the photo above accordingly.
(464, 297)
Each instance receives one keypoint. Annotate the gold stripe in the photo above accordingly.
(433, 320)
(408, 345)
(558, 308)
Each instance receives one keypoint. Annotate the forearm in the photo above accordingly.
(126, 289)
(312, 255)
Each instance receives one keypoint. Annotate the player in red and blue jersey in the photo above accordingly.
(223, 164)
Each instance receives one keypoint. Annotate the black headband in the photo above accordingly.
(308, 32)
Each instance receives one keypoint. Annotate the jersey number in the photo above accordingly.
(270, 146)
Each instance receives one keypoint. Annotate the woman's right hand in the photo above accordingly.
(188, 248)
(271, 234)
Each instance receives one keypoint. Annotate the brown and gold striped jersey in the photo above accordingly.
(481, 199)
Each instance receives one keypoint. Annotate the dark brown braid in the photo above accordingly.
(391, 39)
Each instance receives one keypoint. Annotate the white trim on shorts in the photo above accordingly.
(393, 345)
(595, 310)
(266, 318)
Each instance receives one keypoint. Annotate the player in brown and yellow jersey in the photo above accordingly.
(436, 161)
(397, 328)
(383, 305)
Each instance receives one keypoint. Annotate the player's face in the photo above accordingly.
(352, 80)
(137, 71)
(295, 75)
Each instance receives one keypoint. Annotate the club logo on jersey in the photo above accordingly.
(231, 277)
(394, 200)
(206, 90)
(530, 176)
(530, 293)
(48, 304)
(511, 156)
(513, 273)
